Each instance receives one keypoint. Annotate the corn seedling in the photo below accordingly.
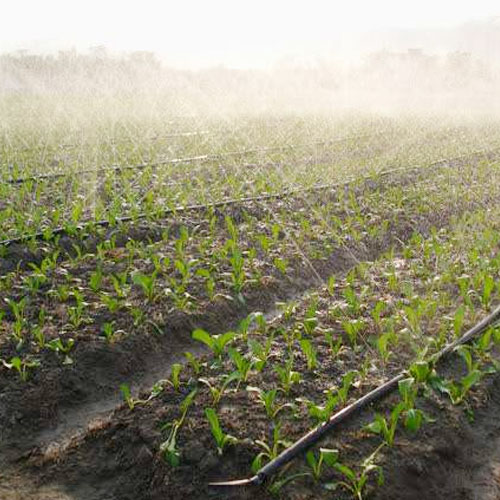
(243, 365)
(354, 480)
(268, 400)
(22, 366)
(309, 352)
(287, 375)
(315, 463)
(57, 345)
(221, 439)
(216, 343)
(270, 451)
(386, 428)
(146, 283)
(169, 447)
(218, 392)
(193, 361)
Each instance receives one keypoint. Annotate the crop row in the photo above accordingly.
(269, 381)
(218, 257)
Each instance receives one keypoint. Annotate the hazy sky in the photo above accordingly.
(233, 32)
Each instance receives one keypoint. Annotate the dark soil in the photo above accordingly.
(78, 448)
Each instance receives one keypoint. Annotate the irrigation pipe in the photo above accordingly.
(235, 201)
(191, 159)
(316, 434)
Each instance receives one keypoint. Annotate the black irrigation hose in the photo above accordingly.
(316, 434)
(235, 201)
(175, 161)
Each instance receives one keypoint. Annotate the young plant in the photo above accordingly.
(287, 375)
(334, 344)
(243, 365)
(147, 284)
(169, 447)
(217, 343)
(109, 332)
(218, 392)
(268, 400)
(355, 481)
(386, 428)
(221, 439)
(261, 352)
(193, 361)
(383, 343)
(22, 366)
(271, 451)
(352, 328)
(175, 375)
(57, 345)
(315, 463)
(127, 396)
(310, 353)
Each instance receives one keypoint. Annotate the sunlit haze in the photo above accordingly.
(234, 33)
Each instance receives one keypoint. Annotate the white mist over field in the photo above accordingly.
(223, 57)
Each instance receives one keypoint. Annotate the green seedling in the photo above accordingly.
(287, 375)
(281, 265)
(75, 313)
(334, 344)
(352, 328)
(488, 287)
(318, 412)
(127, 396)
(386, 428)
(376, 313)
(22, 366)
(147, 284)
(355, 481)
(458, 321)
(352, 300)
(218, 392)
(242, 364)
(330, 285)
(309, 325)
(217, 343)
(458, 391)
(347, 382)
(17, 309)
(260, 352)
(238, 275)
(268, 400)
(57, 345)
(421, 371)
(175, 372)
(169, 447)
(193, 361)
(383, 343)
(221, 439)
(310, 353)
(109, 332)
(95, 281)
(315, 463)
(271, 451)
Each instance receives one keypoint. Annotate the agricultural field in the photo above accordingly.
(183, 299)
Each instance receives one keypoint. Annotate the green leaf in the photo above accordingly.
(375, 427)
(203, 336)
(214, 425)
(420, 370)
(471, 379)
(413, 420)
(330, 456)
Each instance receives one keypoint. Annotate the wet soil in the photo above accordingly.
(78, 447)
